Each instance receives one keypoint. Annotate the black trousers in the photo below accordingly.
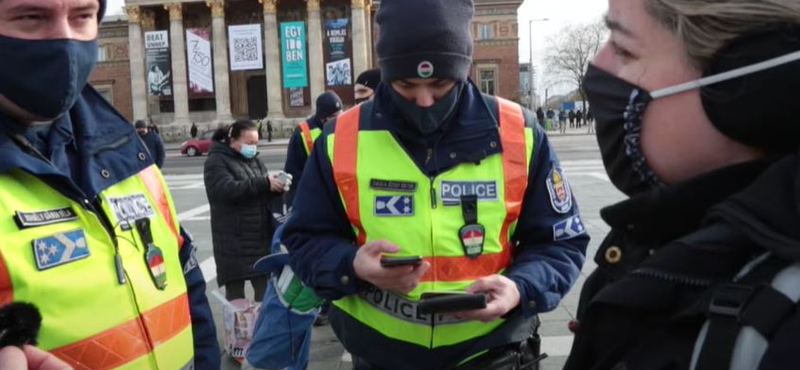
(234, 289)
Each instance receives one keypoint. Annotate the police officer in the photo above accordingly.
(433, 168)
(90, 235)
(366, 84)
(329, 105)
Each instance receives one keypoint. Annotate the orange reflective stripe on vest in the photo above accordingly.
(6, 290)
(306, 130)
(125, 343)
(156, 188)
(515, 164)
(345, 156)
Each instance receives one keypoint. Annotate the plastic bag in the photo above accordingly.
(239, 319)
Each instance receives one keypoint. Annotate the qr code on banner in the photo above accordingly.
(245, 49)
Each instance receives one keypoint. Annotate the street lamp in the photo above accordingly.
(530, 67)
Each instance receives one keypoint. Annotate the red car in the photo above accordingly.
(197, 146)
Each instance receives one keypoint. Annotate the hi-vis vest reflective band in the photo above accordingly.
(309, 136)
(424, 217)
(90, 320)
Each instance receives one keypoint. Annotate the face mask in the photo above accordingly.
(248, 151)
(618, 107)
(45, 77)
(359, 101)
(427, 120)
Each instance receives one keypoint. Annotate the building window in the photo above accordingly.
(488, 81)
(102, 53)
(107, 91)
(485, 31)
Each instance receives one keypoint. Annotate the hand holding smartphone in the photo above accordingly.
(388, 262)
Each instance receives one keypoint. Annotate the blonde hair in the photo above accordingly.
(705, 26)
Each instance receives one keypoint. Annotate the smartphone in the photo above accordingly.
(401, 261)
(449, 301)
(283, 177)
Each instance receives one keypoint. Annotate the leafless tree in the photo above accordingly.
(569, 52)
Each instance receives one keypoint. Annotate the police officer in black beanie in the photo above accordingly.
(366, 84)
(462, 183)
(329, 105)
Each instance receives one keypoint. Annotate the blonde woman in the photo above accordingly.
(695, 104)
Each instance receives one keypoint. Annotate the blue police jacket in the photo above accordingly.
(545, 264)
(101, 149)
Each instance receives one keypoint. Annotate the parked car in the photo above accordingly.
(197, 146)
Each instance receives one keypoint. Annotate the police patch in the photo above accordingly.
(568, 229)
(60, 249)
(393, 185)
(560, 193)
(131, 207)
(452, 191)
(44, 217)
(398, 205)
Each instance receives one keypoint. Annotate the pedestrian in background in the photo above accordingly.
(562, 121)
(540, 116)
(269, 131)
(193, 130)
(239, 189)
(571, 116)
(579, 117)
(153, 142)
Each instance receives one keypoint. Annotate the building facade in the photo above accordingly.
(177, 62)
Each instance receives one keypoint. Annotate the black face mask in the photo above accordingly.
(359, 101)
(618, 107)
(428, 120)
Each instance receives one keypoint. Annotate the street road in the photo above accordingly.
(580, 159)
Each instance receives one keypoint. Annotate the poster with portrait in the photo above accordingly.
(296, 98)
(246, 51)
(198, 58)
(157, 62)
(339, 73)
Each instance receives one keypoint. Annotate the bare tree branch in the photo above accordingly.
(569, 52)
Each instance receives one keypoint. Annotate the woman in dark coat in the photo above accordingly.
(239, 189)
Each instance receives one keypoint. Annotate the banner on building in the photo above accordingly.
(339, 73)
(246, 50)
(157, 60)
(296, 98)
(293, 54)
(336, 32)
(198, 58)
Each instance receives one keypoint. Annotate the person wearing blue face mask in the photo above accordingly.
(90, 237)
(239, 190)
(695, 103)
(465, 185)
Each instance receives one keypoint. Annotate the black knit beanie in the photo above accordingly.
(425, 39)
(328, 103)
(369, 78)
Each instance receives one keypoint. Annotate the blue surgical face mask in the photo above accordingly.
(248, 151)
(45, 77)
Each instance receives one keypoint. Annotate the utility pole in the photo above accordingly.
(530, 68)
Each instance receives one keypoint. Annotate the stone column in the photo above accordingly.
(136, 55)
(220, 50)
(368, 22)
(180, 88)
(272, 49)
(360, 37)
(316, 61)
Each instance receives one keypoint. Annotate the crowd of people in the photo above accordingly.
(429, 224)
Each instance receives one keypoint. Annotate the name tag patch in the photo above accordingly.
(45, 217)
(560, 193)
(60, 249)
(131, 207)
(398, 205)
(451, 191)
(392, 185)
(568, 229)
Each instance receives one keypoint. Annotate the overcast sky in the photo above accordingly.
(559, 13)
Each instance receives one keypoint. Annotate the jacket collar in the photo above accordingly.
(105, 142)
(664, 214)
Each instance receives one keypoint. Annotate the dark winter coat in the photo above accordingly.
(156, 147)
(241, 222)
(673, 248)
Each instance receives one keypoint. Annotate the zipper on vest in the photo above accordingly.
(433, 193)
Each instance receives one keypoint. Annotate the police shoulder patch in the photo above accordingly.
(59, 249)
(131, 207)
(568, 229)
(560, 193)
